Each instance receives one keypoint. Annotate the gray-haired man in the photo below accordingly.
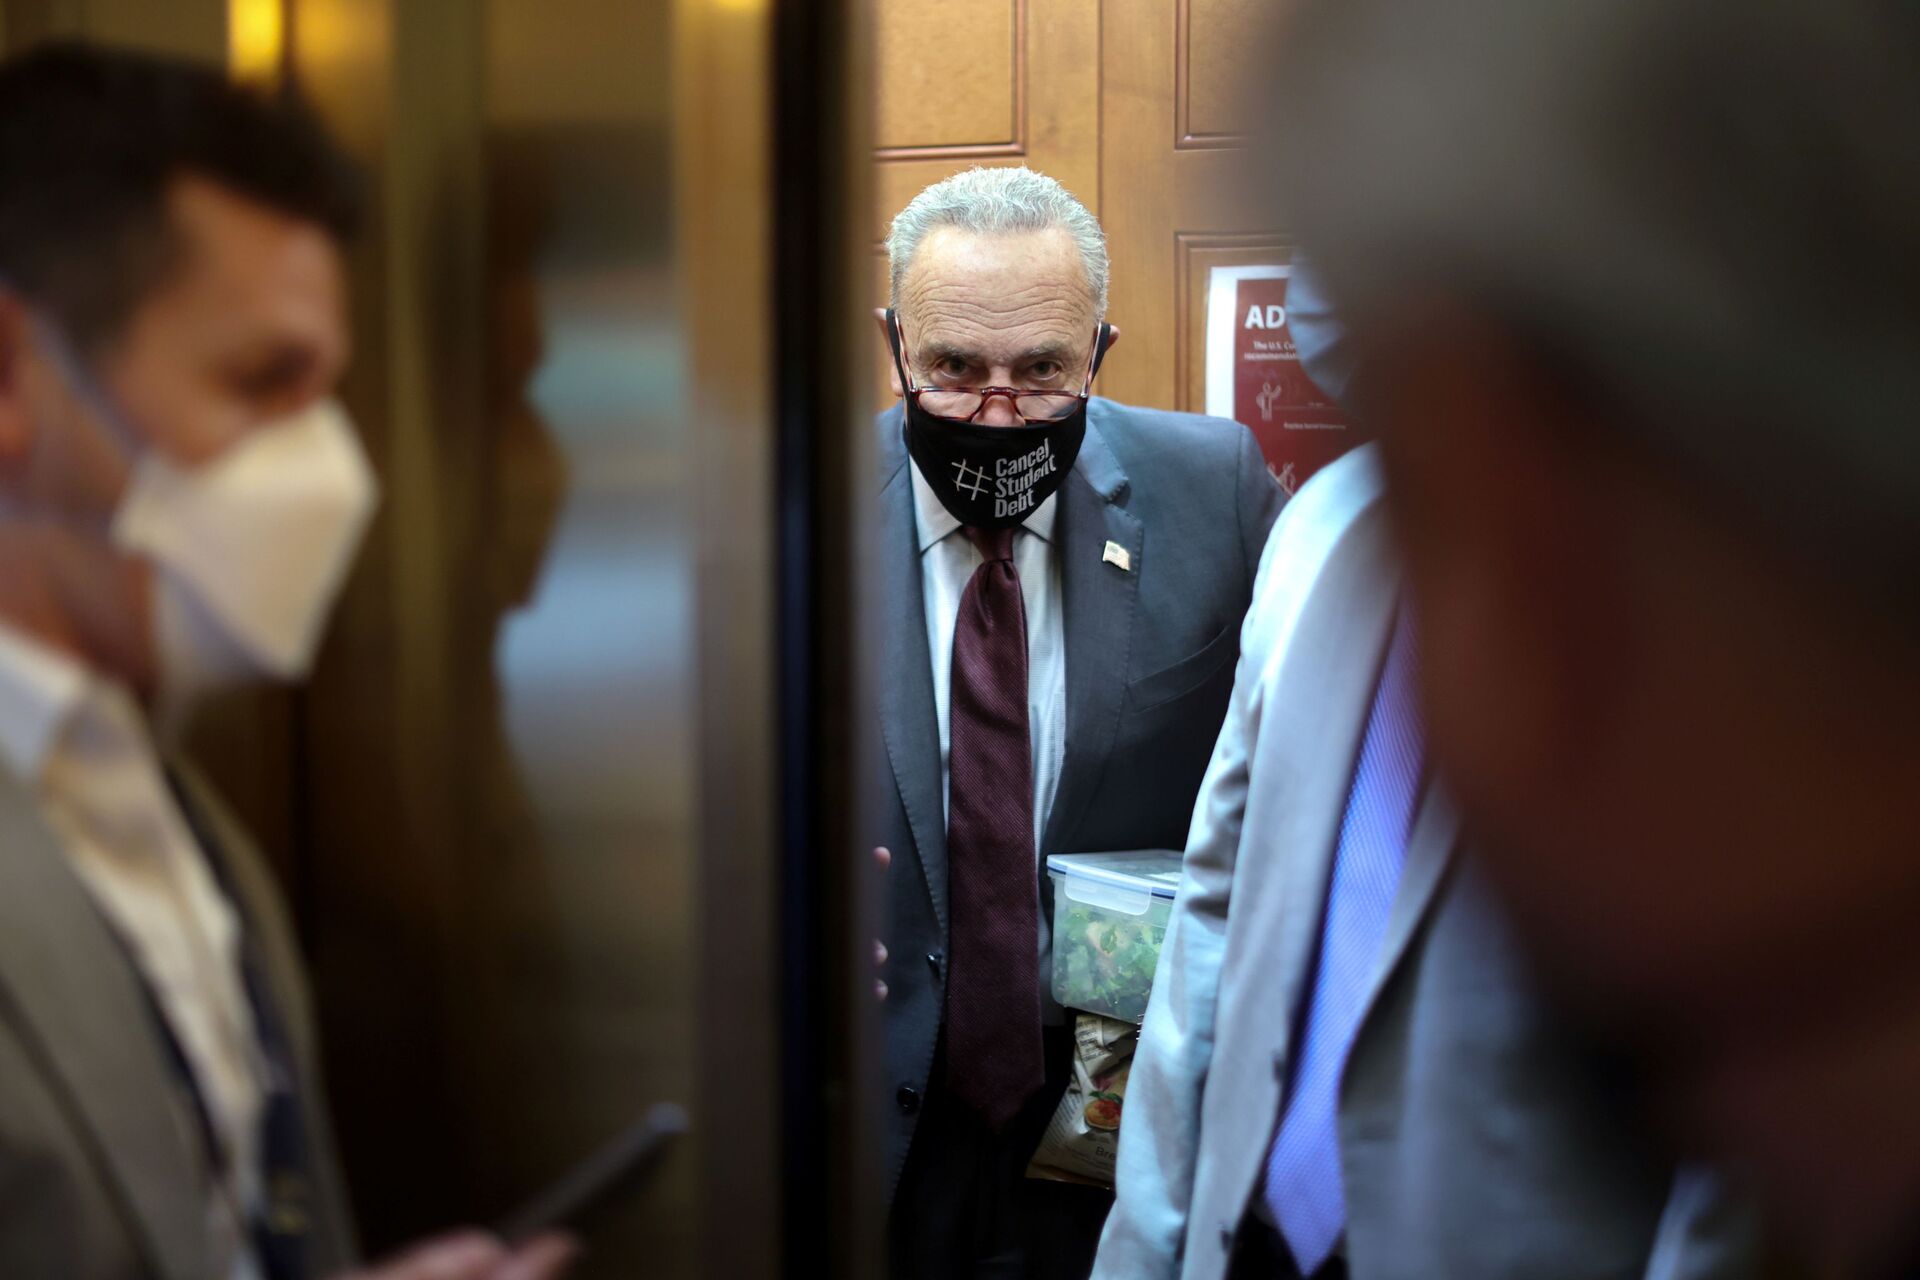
(1063, 582)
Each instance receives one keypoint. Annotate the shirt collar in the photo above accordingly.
(934, 523)
(41, 690)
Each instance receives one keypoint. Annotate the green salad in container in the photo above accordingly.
(1110, 917)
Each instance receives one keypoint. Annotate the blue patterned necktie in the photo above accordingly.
(1303, 1187)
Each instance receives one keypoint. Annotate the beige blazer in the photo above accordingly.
(103, 1174)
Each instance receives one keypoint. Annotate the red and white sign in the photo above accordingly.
(1254, 375)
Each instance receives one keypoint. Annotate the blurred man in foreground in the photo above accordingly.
(1345, 1069)
(179, 501)
(1637, 279)
(1063, 579)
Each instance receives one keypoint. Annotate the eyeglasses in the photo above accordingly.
(966, 404)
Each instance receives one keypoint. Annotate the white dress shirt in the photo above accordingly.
(947, 563)
(83, 746)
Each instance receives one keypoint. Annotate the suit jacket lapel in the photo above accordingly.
(83, 1008)
(909, 721)
(243, 872)
(227, 842)
(1430, 845)
(1099, 612)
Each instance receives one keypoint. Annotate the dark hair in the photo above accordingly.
(91, 139)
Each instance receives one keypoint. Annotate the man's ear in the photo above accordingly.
(1104, 338)
(16, 414)
(886, 352)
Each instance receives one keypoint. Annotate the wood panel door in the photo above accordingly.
(1172, 199)
(962, 83)
(1132, 104)
(984, 82)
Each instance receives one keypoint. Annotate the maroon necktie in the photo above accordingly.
(994, 1061)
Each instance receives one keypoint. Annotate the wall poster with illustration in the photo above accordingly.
(1254, 375)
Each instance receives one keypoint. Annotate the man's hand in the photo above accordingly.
(884, 859)
(474, 1255)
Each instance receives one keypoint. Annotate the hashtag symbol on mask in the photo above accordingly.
(969, 479)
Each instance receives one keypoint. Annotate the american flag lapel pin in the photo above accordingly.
(1117, 555)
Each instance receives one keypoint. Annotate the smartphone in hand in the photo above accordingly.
(612, 1174)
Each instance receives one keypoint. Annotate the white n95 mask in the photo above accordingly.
(249, 549)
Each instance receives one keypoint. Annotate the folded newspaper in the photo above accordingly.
(1083, 1138)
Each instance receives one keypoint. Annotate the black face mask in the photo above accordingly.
(991, 477)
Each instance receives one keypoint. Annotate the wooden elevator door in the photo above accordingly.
(1131, 104)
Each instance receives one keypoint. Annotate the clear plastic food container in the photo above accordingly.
(1109, 917)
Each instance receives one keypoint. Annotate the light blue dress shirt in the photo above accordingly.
(947, 563)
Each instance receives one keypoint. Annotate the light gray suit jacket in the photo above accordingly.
(103, 1173)
(1469, 1148)
(1150, 653)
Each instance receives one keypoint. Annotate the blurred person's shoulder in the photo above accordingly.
(1331, 511)
(1328, 507)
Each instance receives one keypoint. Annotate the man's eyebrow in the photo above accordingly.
(937, 350)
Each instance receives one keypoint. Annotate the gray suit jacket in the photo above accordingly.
(1150, 655)
(1469, 1148)
(103, 1174)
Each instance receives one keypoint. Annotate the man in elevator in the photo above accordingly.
(179, 501)
(1063, 580)
(1347, 1069)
